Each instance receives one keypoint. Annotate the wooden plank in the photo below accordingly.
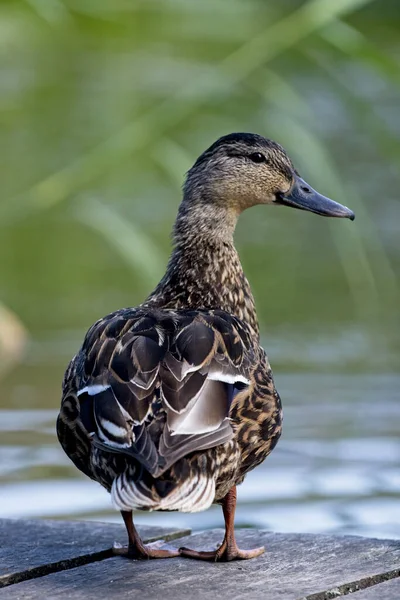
(388, 590)
(295, 566)
(31, 548)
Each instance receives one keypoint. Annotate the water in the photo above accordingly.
(99, 124)
(336, 468)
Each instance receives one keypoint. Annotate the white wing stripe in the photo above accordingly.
(112, 428)
(92, 390)
(227, 378)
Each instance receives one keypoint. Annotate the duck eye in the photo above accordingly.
(257, 157)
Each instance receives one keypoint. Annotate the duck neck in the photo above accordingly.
(204, 270)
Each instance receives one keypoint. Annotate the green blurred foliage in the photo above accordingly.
(106, 103)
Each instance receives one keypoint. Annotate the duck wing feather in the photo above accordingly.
(157, 384)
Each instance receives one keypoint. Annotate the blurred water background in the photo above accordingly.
(104, 106)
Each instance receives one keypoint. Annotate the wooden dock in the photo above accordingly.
(73, 560)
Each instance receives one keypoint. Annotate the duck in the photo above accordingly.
(170, 404)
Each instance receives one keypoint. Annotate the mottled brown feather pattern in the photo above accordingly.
(175, 399)
(225, 285)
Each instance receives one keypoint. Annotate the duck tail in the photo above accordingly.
(193, 494)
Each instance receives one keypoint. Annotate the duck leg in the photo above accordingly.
(228, 549)
(136, 549)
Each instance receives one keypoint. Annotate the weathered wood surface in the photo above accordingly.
(33, 548)
(295, 566)
(388, 590)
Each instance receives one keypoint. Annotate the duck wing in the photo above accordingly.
(158, 384)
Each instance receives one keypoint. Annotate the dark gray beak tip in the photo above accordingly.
(346, 213)
(303, 196)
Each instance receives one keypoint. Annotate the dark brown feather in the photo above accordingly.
(158, 369)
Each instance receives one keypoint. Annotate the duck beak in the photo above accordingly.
(302, 196)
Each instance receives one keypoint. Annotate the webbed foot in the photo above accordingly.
(225, 553)
(136, 549)
(146, 551)
(229, 549)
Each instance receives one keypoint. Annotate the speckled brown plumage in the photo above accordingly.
(170, 404)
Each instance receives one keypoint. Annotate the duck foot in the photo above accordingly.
(145, 551)
(228, 550)
(136, 549)
(225, 553)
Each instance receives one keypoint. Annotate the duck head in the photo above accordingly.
(241, 170)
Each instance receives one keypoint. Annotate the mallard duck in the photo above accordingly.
(170, 404)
